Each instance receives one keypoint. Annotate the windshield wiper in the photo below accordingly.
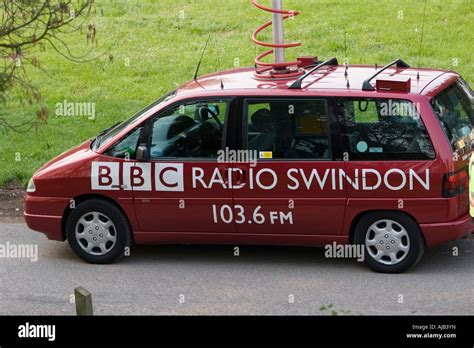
(106, 130)
(96, 141)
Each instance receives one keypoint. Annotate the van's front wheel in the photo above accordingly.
(98, 232)
(393, 241)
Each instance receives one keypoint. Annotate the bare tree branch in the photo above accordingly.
(25, 25)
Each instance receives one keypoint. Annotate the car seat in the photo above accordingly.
(264, 123)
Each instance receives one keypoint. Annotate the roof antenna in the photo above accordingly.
(202, 56)
(421, 41)
(346, 60)
(255, 63)
(219, 63)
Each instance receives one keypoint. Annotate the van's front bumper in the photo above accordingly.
(44, 214)
(438, 233)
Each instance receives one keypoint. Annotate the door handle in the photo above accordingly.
(119, 186)
(242, 176)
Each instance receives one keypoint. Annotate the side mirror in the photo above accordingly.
(142, 153)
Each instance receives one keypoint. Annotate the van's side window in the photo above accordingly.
(189, 130)
(382, 129)
(289, 129)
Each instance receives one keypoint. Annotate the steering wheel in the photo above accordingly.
(181, 147)
(214, 116)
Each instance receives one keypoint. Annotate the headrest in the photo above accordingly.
(179, 125)
(262, 120)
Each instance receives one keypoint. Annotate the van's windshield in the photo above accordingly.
(455, 110)
(108, 134)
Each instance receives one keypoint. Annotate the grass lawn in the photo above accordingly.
(153, 46)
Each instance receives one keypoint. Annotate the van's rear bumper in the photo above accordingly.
(438, 233)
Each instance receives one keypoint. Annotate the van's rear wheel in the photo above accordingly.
(98, 232)
(393, 241)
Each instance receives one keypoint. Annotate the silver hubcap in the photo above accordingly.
(387, 242)
(96, 233)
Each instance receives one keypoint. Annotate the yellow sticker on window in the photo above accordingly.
(265, 154)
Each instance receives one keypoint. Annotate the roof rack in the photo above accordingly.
(297, 83)
(399, 63)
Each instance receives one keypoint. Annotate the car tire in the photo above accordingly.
(98, 232)
(393, 241)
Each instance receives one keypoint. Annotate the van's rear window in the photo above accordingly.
(455, 110)
(383, 129)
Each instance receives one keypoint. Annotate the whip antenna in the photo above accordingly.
(346, 59)
(421, 40)
(202, 56)
(345, 43)
(219, 63)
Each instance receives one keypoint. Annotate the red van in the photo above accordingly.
(347, 154)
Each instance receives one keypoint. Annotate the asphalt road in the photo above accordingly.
(211, 280)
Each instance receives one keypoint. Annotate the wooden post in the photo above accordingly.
(83, 299)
